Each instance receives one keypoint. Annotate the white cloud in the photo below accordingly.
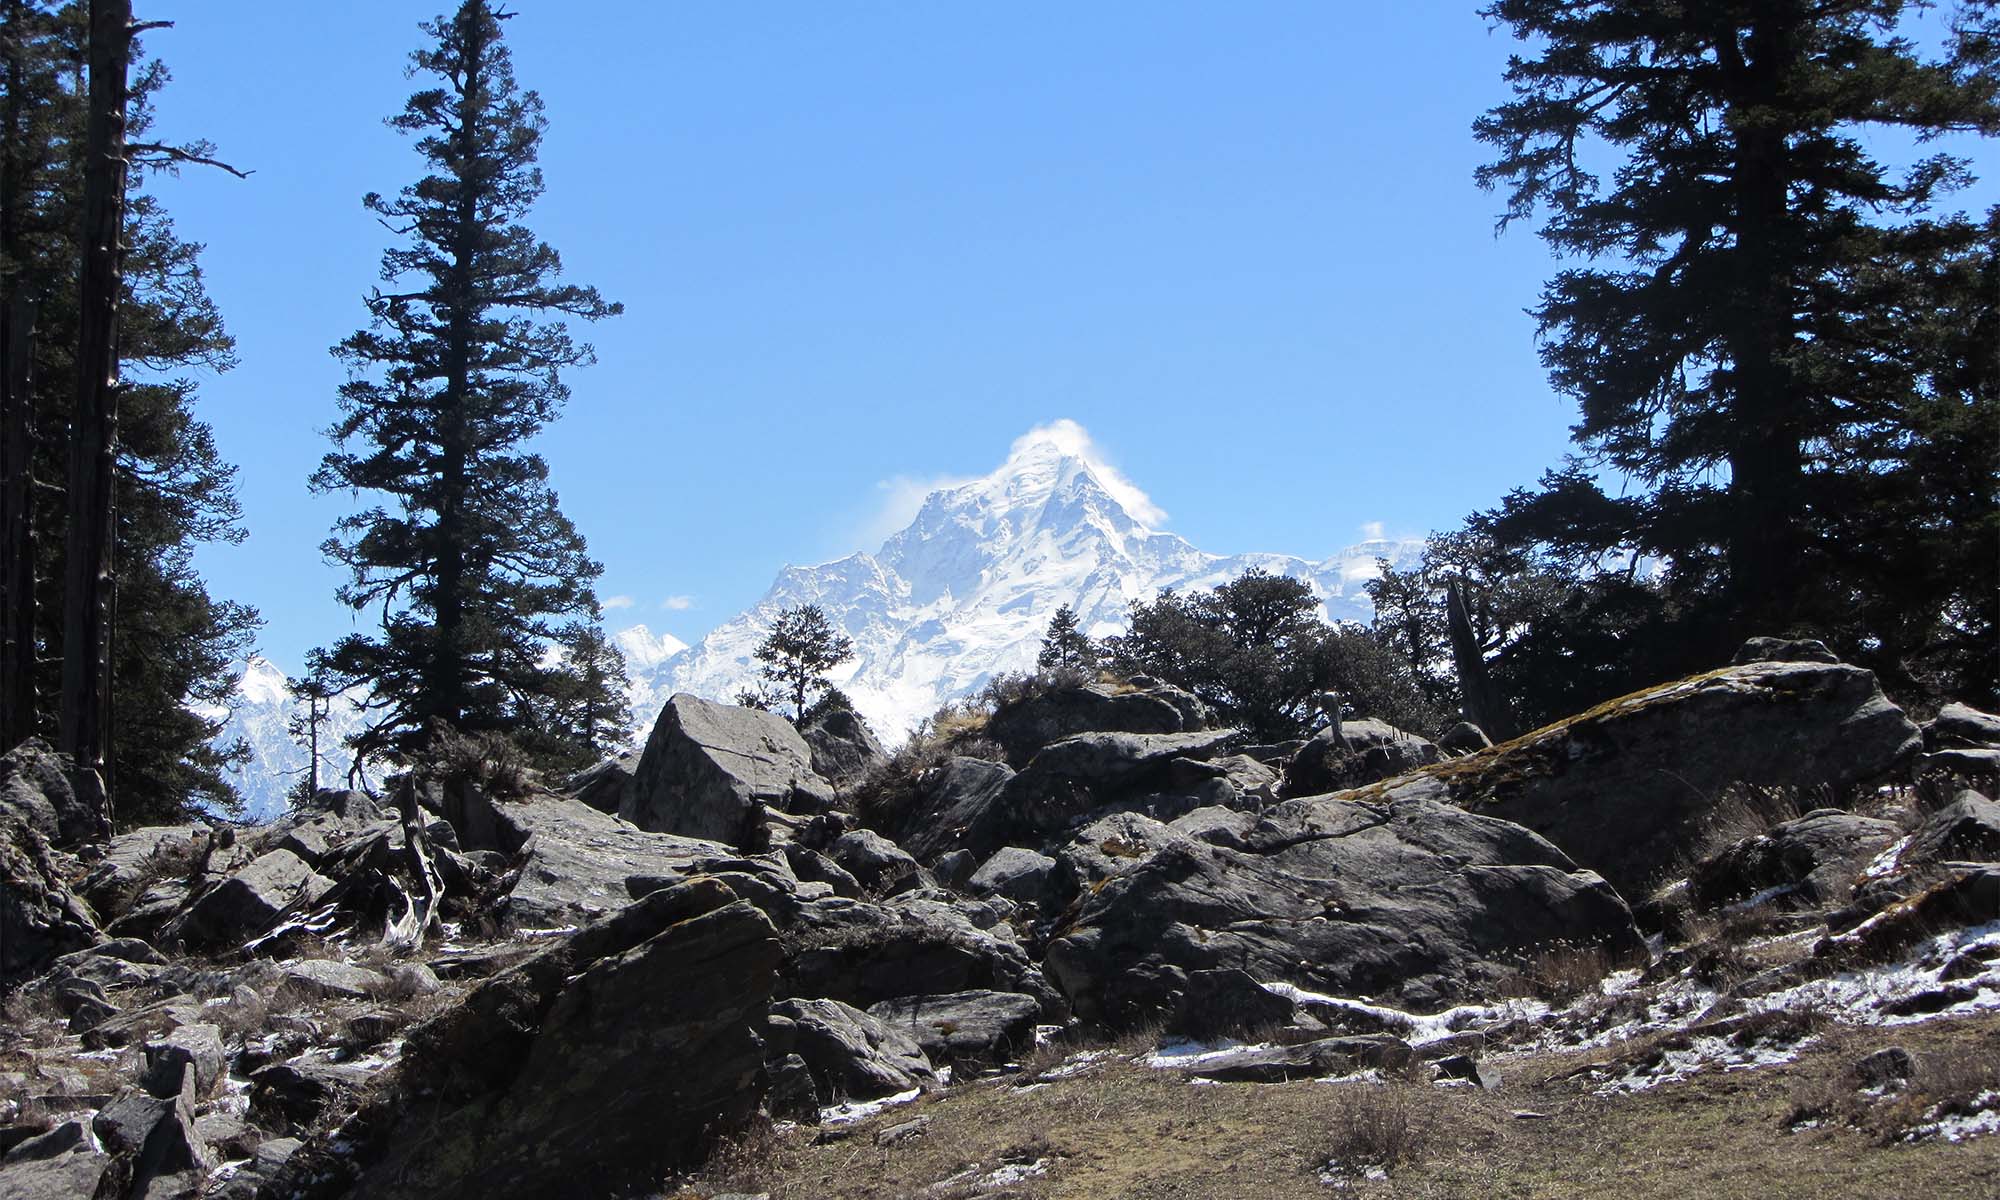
(1371, 531)
(617, 602)
(1075, 441)
(677, 603)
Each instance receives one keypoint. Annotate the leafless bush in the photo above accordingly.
(490, 762)
(1560, 973)
(1385, 1125)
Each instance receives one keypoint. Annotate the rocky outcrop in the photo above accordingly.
(1013, 872)
(40, 918)
(844, 750)
(1404, 896)
(35, 785)
(709, 770)
(1966, 830)
(1025, 727)
(1962, 727)
(864, 953)
(590, 1068)
(1627, 787)
(247, 902)
(576, 863)
(872, 860)
(1080, 775)
(606, 786)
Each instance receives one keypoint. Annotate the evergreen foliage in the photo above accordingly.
(484, 587)
(798, 652)
(1066, 647)
(1256, 652)
(1775, 335)
(174, 648)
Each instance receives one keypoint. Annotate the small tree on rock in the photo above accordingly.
(801, 649)
(1065, 647)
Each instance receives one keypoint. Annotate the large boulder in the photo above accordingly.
(1966, 830)
(1962, 727)
(1080, 775)
(576, 863)
(247, 902)
(35, 783)
(947, 801)
(851, 1054)
(590, 1069)
(965, 1027)
(1628, 787)
(1812, 861)
(1353, 753)
(844, 750)
(605, 786)
(709, 770)
(1023, 728)
(137, 858)
(1405, 897)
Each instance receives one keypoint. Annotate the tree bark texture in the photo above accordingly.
(93, 449)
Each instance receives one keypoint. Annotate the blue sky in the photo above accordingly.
(863, 246)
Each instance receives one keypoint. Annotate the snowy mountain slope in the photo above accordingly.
(965, 592)
(264, 707)
(962, 594)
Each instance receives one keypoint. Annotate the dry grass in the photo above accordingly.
(1122, 1130)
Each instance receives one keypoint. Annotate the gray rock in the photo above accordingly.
(191, 1056)
(1012, 872)
(864, 953)
(40, 918)
(1307, 1060)
(853, 1055)
(1963, 726)
(294, 1095)
(1228, 1002)
(575, 861)
(1815, 858)
(1023, 729)
(591, 1068)
(708, 769)
(965, 1027)
(844, 751)
(1966, 830)
(605, 786)
(35, 785)
(813, 867)
(1352, 754)
(1404, 897)
(1979, 761)
(246, 903)
(327, 978)
(946, 803)
(1464, 738)
(1625, 788)
(877, 863)
(136, 858)
(160, 1136)
(63, 1177)
(1083, 774)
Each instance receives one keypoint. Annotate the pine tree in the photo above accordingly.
(1738, 334)
(171, 673)
(1065, 647)
(800, 649)
(468, 556)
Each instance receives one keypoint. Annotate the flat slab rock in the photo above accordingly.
(576, 861)
(1308, 1060)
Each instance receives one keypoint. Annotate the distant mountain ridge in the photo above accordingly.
(961, 594)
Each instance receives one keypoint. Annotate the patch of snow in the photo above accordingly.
(1185, 1052)
(1414, 1028)
(841, 1114)
(1983, 1120)
(1076, 1064)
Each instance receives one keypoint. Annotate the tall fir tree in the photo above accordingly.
(797, 654)
(171, 672)
(1065, 646)
(1739, 332)
(468, 557)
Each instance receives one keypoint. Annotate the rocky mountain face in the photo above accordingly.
(962, 594)
(966, 591)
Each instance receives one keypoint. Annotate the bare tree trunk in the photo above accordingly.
(19, 712)
(93, 450)
(1483, 706)
(18, 709)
